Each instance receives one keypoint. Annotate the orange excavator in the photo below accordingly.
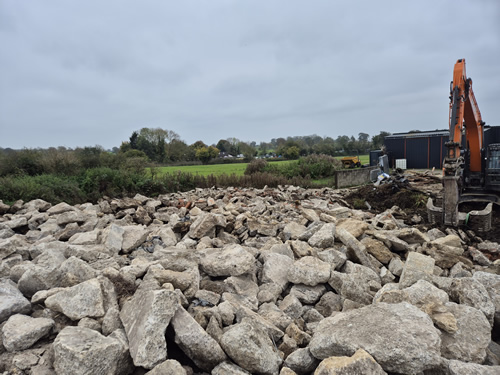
(471, 169)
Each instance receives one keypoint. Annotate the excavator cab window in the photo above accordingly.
(494, 157)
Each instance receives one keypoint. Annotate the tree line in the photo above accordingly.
(165, 146)
(161, 146)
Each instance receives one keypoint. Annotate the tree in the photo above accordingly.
(198, 144)
(263, 148)
(178, 151)
(154, 142)
(205, 154)
(342, 142)
(325, 146)
(224, 146)
(89, 157)
(363, 143)
(133, 140)
(363, 137)
(291, 152)
(248, 151)
(378, 140)
(147, 147)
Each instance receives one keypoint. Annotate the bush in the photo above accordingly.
(97, 182)
(318, 166)
(23, 162)
(60, 162)
(53, 189)
(256, 165)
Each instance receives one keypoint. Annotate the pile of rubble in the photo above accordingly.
(241, 281)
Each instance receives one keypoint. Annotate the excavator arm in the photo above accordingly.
(464, 112)
(462, 165)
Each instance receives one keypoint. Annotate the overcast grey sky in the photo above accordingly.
(83, 73)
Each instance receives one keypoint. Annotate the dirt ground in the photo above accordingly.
(410, 192)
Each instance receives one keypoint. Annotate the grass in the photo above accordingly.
(211, 169)
(328, 181)
(237, 168)
(206, 170)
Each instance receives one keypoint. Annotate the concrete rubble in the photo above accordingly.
(242, 281)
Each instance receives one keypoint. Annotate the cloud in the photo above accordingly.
(86, 73)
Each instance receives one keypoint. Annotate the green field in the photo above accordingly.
(218, 169)
(206, 170)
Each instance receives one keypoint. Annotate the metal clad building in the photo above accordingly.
(426, 149)
(420, 149)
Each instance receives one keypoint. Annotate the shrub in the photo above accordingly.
(318, 166)
(256, 165)
(97, 182)
(291, 152)
(23, 162)
(60, 161)
(53, 189)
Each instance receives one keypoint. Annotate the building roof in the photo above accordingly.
(420, 134)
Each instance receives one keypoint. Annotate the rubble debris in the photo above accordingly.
(241, 281)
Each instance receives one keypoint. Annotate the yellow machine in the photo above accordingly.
(351, 162)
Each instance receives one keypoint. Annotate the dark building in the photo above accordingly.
(426, 149)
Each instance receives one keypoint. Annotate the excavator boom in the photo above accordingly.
(464, 112)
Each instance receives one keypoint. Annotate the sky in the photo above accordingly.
(86, 73)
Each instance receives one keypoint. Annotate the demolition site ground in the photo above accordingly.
(410, 193)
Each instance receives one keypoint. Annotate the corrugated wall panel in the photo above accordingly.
(437, 151)
(395, 149)
(417, 152)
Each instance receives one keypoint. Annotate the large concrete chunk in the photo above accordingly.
(83, 300)
(133, 237)
(293, 230)
(469, 291)
(169, 367)
(417, 267)
(400, 337)
(378, 250)
(75, 271)
(114, 238)
(301, 361)
(198, 345)
(420, 294)
(463, 368)
(251, 348)
(472, 337)
(357, 251)
(83, 351)
(45, 273)
(145, 318)
(11, 244)
(359, 363)
(309, 271)
(492, 284)
(232, 260)
(228, 368)
(324, 237)
(60, 208)
(75, 216)
(350, 287)
(275, 270)
(20, 332)
(12, 300)
(205, 225)
(353, 226)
